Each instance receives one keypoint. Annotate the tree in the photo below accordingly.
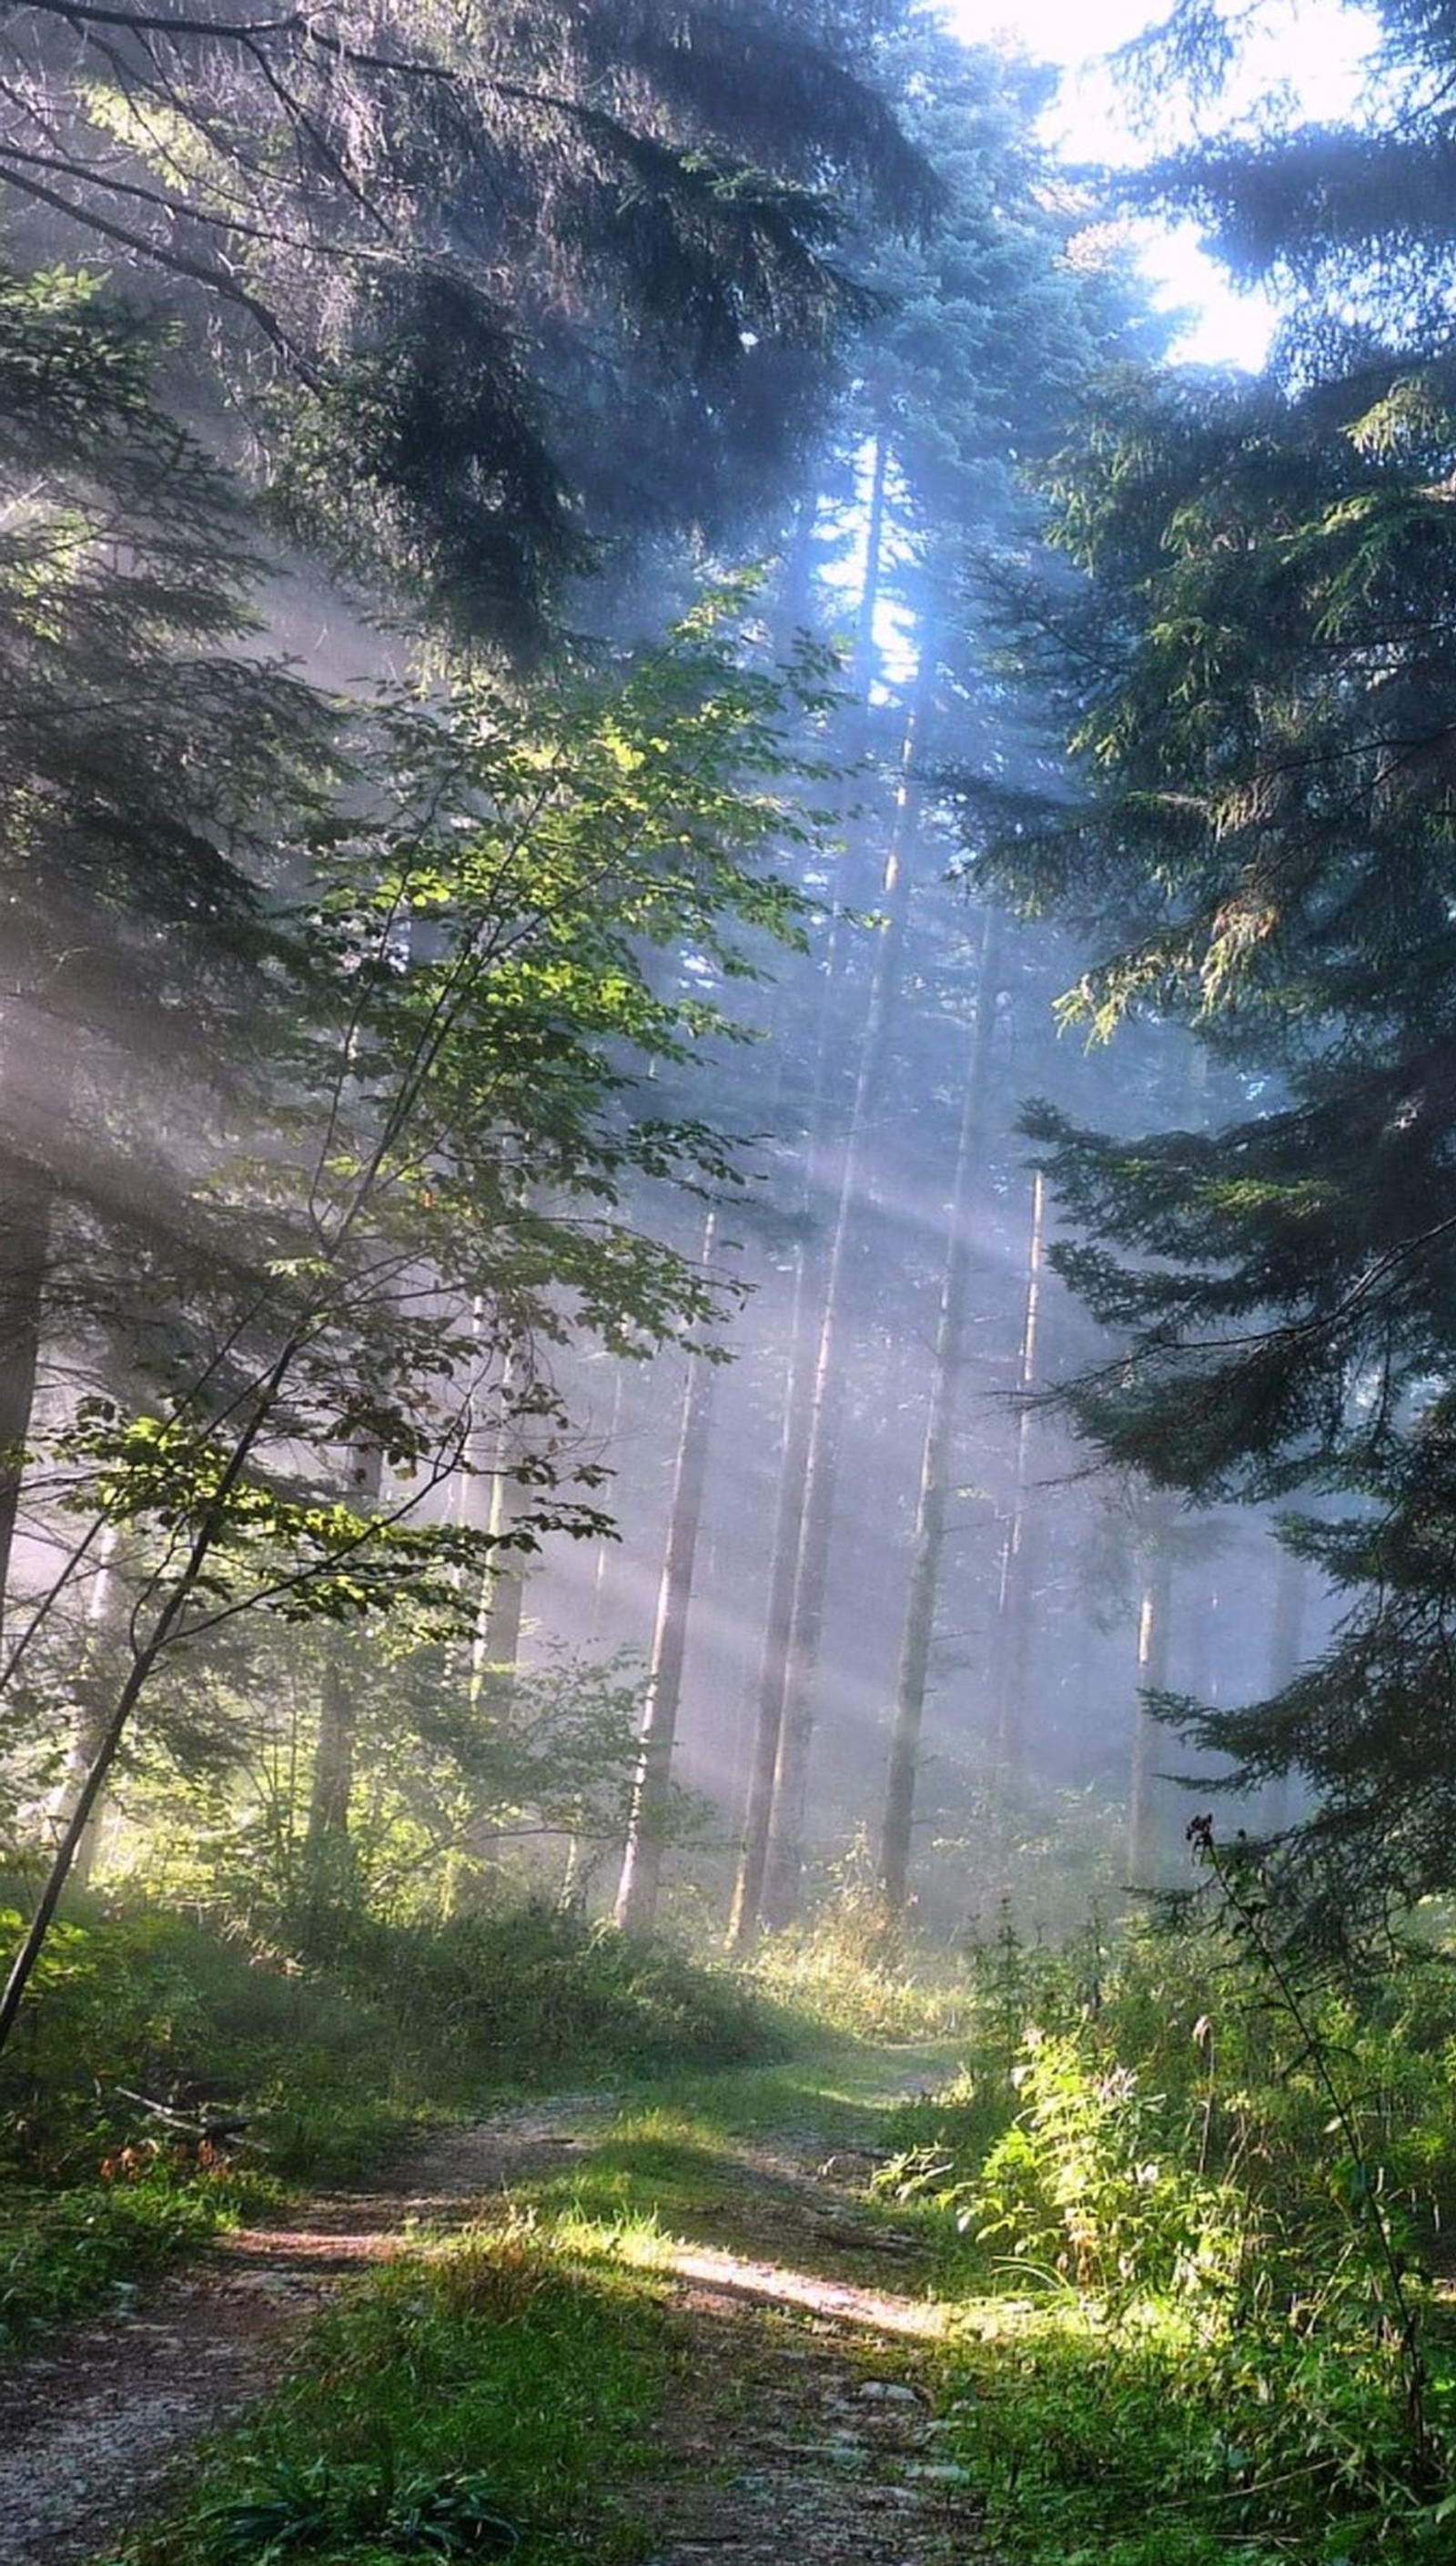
(452, 257)
(146, 751)
(440, 1191)
(641, 1867)
(987, 334)
(937, 1447)
(1265, 847)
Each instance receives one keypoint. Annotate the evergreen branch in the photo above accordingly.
(216, 279)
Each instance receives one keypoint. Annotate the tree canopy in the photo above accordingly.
(450, 257)
(1264, 846)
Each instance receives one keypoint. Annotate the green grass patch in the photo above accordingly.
(96, 2245)
(505, 2391)
(1184, 2223)
(331, 2069)
(470, 2403)
(1156, 2444)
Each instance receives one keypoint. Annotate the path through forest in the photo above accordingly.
(802, 2429)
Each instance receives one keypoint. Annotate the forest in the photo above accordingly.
(727, 1286)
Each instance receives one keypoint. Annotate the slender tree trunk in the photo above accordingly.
(1286, 1648)
(1019, 1550)
(937, 1450)
(641, 1868)
(331, 1785)
(495, 1653)
(784, 1862)
(746, 1913)
(27, 1205)
(1145, 1837)
(778, 1628)
(794, 586)
(91, 1710)
(866, 664)
(495, 1639)
(605, 1548)
(148, 1652)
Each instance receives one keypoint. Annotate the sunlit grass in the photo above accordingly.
(531, 2359)
(1162, 2441)
(528, 2366)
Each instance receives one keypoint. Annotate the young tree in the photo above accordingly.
(441, 1189)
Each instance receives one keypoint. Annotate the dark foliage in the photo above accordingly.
(422, 232)
(1265, 845)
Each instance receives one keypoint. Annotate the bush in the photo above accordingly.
(60, 2253)
(539, 1992)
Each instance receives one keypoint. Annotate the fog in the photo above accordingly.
(881, 1546)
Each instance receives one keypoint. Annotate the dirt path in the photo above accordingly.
(800, 2430)
(91, 2425)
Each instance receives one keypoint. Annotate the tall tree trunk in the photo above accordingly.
(866, 664)
(746, 1912)
(1020, 1549)
(779, 1625)
(495, 1652)
(938, 1450)
(600, 1566)
(641, 1868)
(331, 1785)
(1147, 1837)
(784, 1862)
(1286, 1648)
(92, 1707)
(27, 1206)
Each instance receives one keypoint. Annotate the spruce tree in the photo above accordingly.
(492, 289)
(1264, 846)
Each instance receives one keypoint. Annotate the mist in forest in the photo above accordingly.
(526, 1359)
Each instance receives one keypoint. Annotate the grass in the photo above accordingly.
(528, 2369)
(333, 2068)
(1168, 2344)
(1158, 2446)
(503, 2382)
(98, 2243)
(1175, 2342)
(511, 2390)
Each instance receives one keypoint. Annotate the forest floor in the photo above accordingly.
(801, 2355)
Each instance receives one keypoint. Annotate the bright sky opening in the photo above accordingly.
(1307, 66)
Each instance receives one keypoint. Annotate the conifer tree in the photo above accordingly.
(453, 257)
(1265, 845)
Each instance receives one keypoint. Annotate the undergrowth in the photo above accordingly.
(270, 2073)
(473, 2404)
(1190, 2203)
(850, 1967)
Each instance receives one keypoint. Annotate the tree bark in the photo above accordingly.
(91, 1713)
(748, 1885)
(784, 1862)
(27, 1205)
(331, 1786)
(1021, 1546)
(1147, 1846)
(495, 1651)
(746, 1913)
(937, 1452)
(866, 664)
(641, 1868)
(1286, 1646)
